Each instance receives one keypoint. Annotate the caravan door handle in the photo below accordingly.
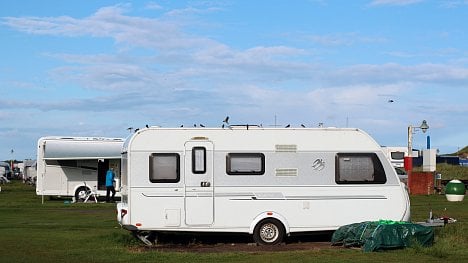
(205, 184)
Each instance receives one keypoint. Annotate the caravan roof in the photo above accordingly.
(260, 139)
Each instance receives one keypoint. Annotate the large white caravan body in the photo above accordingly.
(263, 181)
(69, 166)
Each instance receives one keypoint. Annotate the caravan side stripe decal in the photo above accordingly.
(304, 198)
(245, 197)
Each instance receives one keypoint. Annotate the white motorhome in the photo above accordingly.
(396, 155)
(268, 182)
(71, 166)
(29, 171)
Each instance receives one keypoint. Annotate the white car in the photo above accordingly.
(3, 179)
(401, 174)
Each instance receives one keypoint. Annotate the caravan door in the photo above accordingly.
(199, 189)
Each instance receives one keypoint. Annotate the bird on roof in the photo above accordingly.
(390, 101)
(147, 126)
(226, 120)
(201, 125)
(287, 126)
(302, 125)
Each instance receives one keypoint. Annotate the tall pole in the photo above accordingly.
(11, 164)
(409, 159)
(409, 164)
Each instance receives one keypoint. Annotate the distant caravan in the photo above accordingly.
(268, 182)
(72, 166)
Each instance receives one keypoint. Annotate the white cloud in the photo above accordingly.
(184, 77)
(153, 6)
(453, 3)
(396, 73)
(344, 39)
(394, 2)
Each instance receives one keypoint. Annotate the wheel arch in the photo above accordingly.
(78, 186)
(76, 191)
(267, 215)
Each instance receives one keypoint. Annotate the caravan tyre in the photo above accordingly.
(80, 194)
(268, 232)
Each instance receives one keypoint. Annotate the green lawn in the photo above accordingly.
(59, 232)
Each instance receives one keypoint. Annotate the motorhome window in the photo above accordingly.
(359, 168)
(245, 164)
(397, 155)
(198, 160)
(164, 168)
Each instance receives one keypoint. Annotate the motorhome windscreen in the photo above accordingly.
(359, 168)
(397, 155)
(164, 168)
(245, 163)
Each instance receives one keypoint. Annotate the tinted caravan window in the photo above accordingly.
(245, 164)
(164, 168)
(359, 168)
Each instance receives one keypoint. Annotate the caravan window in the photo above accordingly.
(359, 168)
(164, 168)
(245, 164)
(198, 160)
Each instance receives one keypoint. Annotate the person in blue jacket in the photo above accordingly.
(110, 184)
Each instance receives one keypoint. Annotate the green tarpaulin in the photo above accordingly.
(383, 234)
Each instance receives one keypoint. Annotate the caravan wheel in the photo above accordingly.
(80, 193)
(268, 232)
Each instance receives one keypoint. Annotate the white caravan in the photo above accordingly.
(268, 182)
(74, 165)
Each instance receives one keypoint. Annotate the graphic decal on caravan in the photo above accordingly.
(318, 164)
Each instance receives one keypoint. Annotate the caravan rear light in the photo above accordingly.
(269, 213)
(123, 212)
(138, 224)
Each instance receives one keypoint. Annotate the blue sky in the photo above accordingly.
(95, 68)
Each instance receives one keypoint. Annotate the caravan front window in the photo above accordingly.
(245, 164)
(164, 168)
(359, 168)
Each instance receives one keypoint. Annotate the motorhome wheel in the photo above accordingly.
(80, 193)
(268, 232)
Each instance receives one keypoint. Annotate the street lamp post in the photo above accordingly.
(409, 165)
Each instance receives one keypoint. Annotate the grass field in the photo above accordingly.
(57, 231)
(450, 172)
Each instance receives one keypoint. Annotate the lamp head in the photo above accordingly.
(424, 126)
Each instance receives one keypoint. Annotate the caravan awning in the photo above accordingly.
(66, 150)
